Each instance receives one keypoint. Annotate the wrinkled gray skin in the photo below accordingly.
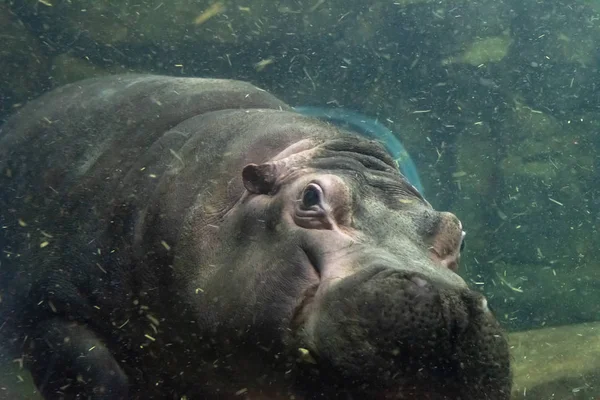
(164, 237)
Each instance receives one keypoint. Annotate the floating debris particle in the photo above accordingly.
(305, 356)
(262, 64)
(314, 85)
(91, 348)
(52, 306)
(22, 223)
(153, 319)
(178, 157)
(100, 268)
(317, 4)
(44, 244)
(149, 337)
(555, 201)
(241, 391)
(501, 214)
(19, 361)
(46, 3)
(459, 174)
(505, 282)
(165, 245)
(215, 9)
(199, 290)
(46, 234)
(421, 111)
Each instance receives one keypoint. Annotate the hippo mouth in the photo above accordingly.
(384, 333)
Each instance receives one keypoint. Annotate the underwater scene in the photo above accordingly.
(300, 199)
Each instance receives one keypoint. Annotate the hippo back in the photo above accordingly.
(84, 153)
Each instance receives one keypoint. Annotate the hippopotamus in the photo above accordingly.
(194, 238)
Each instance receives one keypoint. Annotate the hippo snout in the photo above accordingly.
(447, 241)
(398, 333)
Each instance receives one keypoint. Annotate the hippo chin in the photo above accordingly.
(169, 237)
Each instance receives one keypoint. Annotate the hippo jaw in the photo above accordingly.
(354, 267)
(384, 333)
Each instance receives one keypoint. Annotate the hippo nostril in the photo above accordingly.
(452, 265)
(449, 259)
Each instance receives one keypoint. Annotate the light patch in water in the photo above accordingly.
(107, 93)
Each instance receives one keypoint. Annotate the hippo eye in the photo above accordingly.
(312, 196)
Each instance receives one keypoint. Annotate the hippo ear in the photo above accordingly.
(259, 179)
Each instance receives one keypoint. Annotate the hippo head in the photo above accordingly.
(332, 269)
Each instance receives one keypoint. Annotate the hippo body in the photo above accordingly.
(169, 238)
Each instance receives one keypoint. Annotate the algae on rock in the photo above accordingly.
(557, 363)
(483, 50)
